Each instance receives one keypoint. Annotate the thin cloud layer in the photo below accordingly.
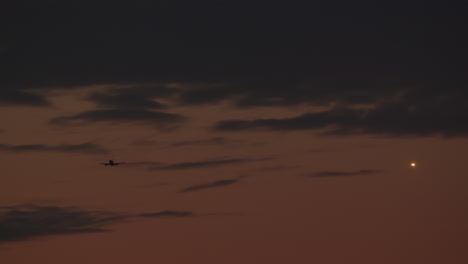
(343, 173)
(144, 142)
(85, 148)
(141, 116)
(211, 185)
(200, 164)
(209, 141)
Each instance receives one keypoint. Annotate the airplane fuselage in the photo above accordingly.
(112, 163)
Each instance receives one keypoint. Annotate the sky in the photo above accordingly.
(252, 131)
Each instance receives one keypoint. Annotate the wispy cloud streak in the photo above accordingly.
(210, 141)
(343, 173)
(86, 148)
(211, 185)
(167, 214)
(199, 164)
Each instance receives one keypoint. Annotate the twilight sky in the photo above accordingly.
(253, 131)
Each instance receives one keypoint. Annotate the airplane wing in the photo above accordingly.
(120, 162)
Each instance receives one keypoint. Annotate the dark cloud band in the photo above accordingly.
(433, 116)
(19, 223)
(22, 223)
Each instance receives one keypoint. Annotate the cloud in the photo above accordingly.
(142, 163)
(200, 164)
(22, 223)
(142, 96)
(206, 95)
(283, 92)
(18, 223)
(303, 122)
(343, 173)
(156, 119)
(11, 97)
(167, 214)
(143, 142)
(154, 165)
(248, 93)
(276, 168)
(86, 148)
(431, 117)
(122, 101)
(211, 185)
(209, 141)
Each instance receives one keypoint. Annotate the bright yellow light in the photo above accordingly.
(413, 164)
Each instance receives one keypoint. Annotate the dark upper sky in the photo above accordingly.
(56, 43)
(254, 53)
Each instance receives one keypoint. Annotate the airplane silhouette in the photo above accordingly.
(112, 163)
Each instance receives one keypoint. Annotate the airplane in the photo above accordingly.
(112, 163)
